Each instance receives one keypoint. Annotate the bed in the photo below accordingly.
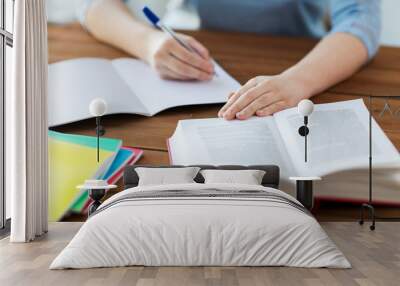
(199, 224)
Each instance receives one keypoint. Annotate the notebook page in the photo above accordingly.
(73, 84)
(219, 142)
(159, 94)
(338, 138)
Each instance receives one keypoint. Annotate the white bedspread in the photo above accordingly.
(200, 231)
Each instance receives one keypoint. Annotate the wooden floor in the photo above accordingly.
(375, 257)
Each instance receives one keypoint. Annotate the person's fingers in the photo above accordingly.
(186, 70)
(258, 104)
(232, 98)
(166, 73)
(249, 84)
(247, 98)
(191, 58)
(203, 51)
(271, 109)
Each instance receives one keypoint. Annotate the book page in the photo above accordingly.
(219, 142)
(158, 94)
(338, 138)
(73, 84)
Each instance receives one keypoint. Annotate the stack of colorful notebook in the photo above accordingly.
(73, 159)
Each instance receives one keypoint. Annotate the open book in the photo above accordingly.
(127, 85)
(338, 149)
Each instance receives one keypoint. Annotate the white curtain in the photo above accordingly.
(26, 123)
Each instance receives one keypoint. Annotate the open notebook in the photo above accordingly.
(128, 86)
(338, 149)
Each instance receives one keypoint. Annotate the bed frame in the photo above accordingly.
(270, 179)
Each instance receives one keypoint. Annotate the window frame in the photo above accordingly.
(6, 39)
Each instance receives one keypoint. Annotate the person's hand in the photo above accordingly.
(263, 96)
(172, 61)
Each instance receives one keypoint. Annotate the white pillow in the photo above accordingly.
(166, 176)
(248, 177)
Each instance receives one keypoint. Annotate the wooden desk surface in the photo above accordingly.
(243, 56)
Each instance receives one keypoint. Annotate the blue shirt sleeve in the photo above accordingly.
(360, 18)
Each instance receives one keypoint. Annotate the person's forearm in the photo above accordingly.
(334, 59)
(111, 22)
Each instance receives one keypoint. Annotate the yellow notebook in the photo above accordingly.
(72, 160)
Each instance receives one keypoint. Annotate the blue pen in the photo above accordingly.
(155, 20)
